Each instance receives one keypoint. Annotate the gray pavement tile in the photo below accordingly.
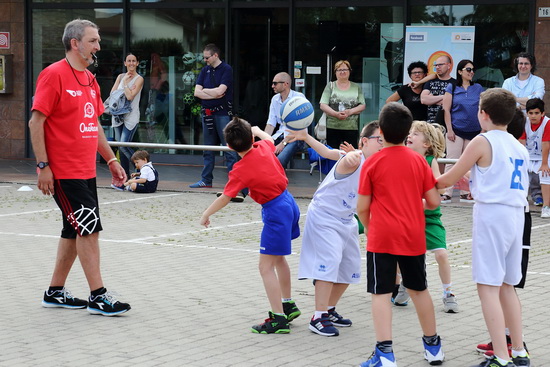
(195, 292)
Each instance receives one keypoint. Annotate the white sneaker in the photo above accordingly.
(450, 305)
(545, 212)
(402, 298)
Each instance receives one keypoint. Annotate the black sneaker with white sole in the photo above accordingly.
(337, 319)
(106, 304)
(62, 298)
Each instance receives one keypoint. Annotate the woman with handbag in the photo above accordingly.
(126, 125)
(342, 102)
(460, 105)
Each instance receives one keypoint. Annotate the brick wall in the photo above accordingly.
(12, 106)
(542, 48)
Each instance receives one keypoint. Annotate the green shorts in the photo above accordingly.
(436, 236)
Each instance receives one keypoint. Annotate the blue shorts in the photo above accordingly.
(280, 217)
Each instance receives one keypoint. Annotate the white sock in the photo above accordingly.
(318, 314)
(519, 353)
(286, 299)
(446, 289)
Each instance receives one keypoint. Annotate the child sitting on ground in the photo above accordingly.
(147, 179)
(260, 171)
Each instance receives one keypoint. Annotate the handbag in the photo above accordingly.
(321, 128)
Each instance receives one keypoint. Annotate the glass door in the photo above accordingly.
(259, 49)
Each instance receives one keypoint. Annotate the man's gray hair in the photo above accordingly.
(75, 29)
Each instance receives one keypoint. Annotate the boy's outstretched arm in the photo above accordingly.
(323, 151)
(260, 134)
(478, 151)
(218, 204)
(363, 210)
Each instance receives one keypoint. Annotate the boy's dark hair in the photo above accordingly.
(238, 135)
(516, 127)
(141, 154)
(395, 122)
(499, 104)
(534, 103)
(212, 48)
(417, 64)
(369, 129)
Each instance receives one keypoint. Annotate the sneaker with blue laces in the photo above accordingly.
(538, 201)
(380, 359)
(433, 353)
(62, 298)
(200, 184)
(323, 326)
(402, 298)
(106, 304)
(337, 319)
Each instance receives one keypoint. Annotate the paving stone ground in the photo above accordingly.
(195, 292)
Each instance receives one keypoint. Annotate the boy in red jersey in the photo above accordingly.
(259, 170)
(395, 227)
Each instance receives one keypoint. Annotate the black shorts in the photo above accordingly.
(381, 270)
(146, 187)
(79, 206)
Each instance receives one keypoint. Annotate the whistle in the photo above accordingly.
(95, 60)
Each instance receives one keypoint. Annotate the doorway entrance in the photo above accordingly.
(260, 49)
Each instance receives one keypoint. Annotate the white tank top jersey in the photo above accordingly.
(506, 180)
(533, 140)
(339, 197)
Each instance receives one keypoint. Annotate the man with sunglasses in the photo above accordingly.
(434, 90)
(284, 150)
(215, 89)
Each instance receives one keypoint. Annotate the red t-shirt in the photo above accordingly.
(396, 178)
(71, 127)
(260, 171)
(545, 133)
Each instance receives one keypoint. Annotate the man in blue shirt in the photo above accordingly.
(281, 86)
(215, 89)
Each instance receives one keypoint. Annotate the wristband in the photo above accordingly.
(111, 161)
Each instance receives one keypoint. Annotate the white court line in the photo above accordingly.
(101, 204)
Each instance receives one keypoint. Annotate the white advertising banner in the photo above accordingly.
(428, 43)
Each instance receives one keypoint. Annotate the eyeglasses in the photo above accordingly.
(417, 72)
(378, 137)
(207, 57)
(440, 65)
(470, 70)
(275, 83)
(524, 63)
(341, 70)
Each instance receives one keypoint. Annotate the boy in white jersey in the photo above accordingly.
(537, 140)
(330, 247)
(499, 182)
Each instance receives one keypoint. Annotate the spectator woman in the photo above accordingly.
(460, 104)
(524, 85)
(410, 94)
(132, 83)
(342, 101)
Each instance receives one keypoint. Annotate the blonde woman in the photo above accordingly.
(342, 101)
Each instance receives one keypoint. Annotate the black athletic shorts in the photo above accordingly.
(79, 206)
(381, 270)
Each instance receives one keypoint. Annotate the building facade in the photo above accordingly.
(259, 39)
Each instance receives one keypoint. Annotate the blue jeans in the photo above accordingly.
(215, 137)
(289, 151)
(122, 134)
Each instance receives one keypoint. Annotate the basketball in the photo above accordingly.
(297, 113)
